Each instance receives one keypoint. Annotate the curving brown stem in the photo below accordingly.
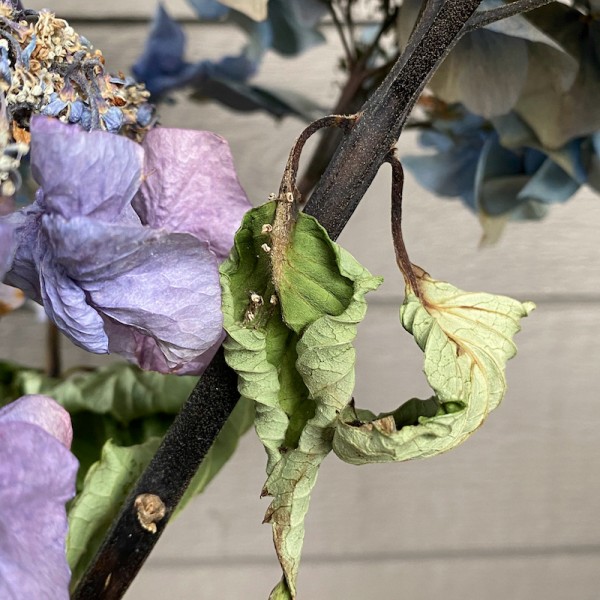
(402, 259)
(288, 200)
(288, 181)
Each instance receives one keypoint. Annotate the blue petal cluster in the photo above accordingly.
(520, 116)
(498, 167)
(289, 29)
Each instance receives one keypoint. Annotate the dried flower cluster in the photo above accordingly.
(47, 68)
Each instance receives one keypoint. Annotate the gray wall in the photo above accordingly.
(511, 514)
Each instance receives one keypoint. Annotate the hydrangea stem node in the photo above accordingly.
(289, 197)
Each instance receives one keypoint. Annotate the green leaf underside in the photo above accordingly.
(467, 340)
(106, 486)
(119, 402)
(294, 358)
(311, 284)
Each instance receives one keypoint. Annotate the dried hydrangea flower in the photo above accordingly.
(123, 241)
(47, 68)
(37, 478)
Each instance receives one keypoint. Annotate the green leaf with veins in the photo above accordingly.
(106, 486)
(467, 339)
(291, 301)
(119, 402)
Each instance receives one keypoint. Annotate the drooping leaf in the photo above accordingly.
(119, 402)
(291, 308)
(106, 486)
(467, 339)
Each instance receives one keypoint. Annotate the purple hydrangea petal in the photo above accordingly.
(164, 286)
(145, 352)
(37, 478)
(24, 273)
(7, 247)
(94, 174)
(43, 412)
(190, 186)
(66, 304)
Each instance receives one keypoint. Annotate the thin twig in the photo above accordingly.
(402, 259)
(389, 20)
(483, 18)
(53, 351)
(350, 58)
(350, 23)
(288, 181)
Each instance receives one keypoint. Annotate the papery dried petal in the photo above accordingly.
(7, 247)
(43, 412)
(84, 173)
(190, 185)
(159, 285)
(37, 478)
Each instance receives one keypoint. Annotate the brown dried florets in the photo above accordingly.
(47, 68)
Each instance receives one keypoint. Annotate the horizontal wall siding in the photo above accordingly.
(512, 513)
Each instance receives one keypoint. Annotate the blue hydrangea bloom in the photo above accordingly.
(498, 168)
(123, 241)
(37, 478)
(290, 29)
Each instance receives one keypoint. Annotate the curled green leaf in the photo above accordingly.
(292, 300)
(467, 339)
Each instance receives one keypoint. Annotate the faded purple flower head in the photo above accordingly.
(37, 478)
(123, 241)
